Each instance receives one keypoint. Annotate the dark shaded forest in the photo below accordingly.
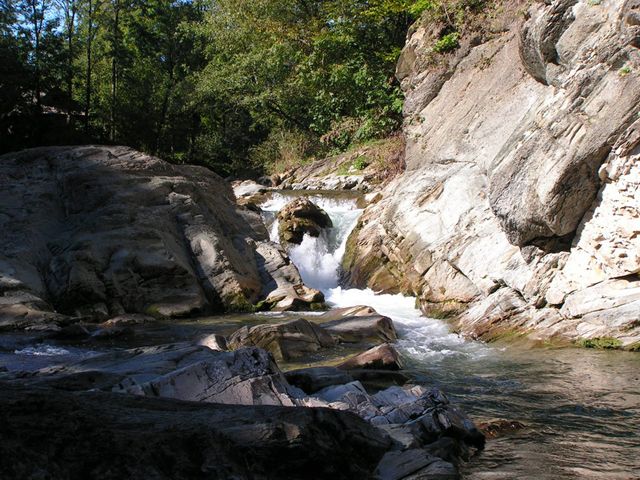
(237, 85)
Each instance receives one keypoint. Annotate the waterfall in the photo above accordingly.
(318, 260)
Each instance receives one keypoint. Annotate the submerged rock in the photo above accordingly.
(287, 340)
(300, 217)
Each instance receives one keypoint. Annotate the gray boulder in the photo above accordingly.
(300, 217)
(286, 340)
(97, 232)
(247, 376)
(382, 357)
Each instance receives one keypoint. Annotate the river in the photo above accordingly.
(581, 408)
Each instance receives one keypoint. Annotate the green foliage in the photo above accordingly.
(232, 84)
(624, 71)
(601, 343)
(447, 43)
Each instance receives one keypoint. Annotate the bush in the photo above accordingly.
(447, 43)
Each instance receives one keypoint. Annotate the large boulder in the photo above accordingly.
(382, 357)
(286, 340)
(77, 435)
(520, 187)
(299, 217)
(353, 326)
(248, 376)
(97, 232)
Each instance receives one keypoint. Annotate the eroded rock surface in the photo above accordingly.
(97, 232)
(520, 199)
(299, 217)
(286, 340)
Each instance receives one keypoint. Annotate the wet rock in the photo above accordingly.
(121, 436)
(414, 464)
(382, 357)
(500, 427)
(300, 217)
(312, 379)
(294, 298)
(127, 320)
(247, 376)
(214, 342)
(285, 340)
(282, 284)
(71, 332)
(360, 329)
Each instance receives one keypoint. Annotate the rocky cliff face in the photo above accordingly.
(99, 231)
(519, 208)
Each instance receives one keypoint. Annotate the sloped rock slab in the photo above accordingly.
(79, 435)
(248, 376)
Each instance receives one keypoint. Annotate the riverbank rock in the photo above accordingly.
(357, 327)
(247, 376)
(520, 195)
(312, 379)
(287, 340)
(94, 232)
(78, 435)
(382, 357)
(299, 217)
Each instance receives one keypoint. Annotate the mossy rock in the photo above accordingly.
(601, 343)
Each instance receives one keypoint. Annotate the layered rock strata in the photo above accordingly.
(519, 208)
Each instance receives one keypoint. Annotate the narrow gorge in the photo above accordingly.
(457, 300)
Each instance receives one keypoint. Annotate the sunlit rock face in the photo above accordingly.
(101, 231)
(520, 194)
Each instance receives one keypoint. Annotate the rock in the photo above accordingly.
(247, 376)
(400, 465)
(312, 379)
(300, 217)
(71, 332)
(164, 439)
(520, 192)
(356, 329)
(382, 357)
(108, 231)
(285, 340)
(500, 427)
(214, 342)
(112, 332)
(282, 284)
(127, 320)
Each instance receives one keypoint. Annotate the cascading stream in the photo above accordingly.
(582, 407)
(318, 259)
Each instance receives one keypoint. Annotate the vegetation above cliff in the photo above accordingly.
(232, 84)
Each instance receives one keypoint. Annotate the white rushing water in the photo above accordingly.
(318, 260)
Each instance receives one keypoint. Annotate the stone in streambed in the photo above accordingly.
(165, 439)
(214, 342)
(284, 340)
(247, 376)
(316, 378)
(360, 329)
(382, 357)
(415, 464)
(300, 217)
